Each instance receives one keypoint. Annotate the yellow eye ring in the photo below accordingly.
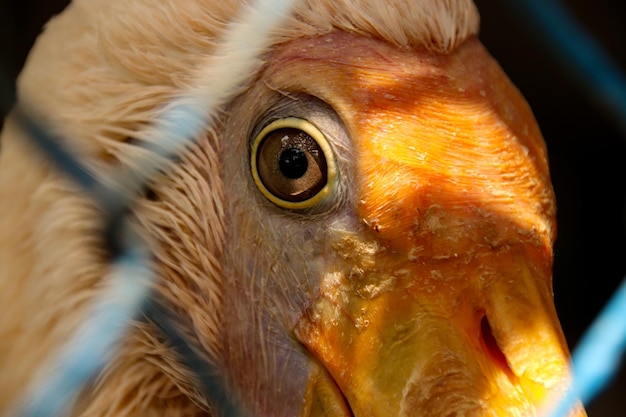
(293, 164)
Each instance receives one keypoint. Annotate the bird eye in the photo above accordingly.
(293, 164)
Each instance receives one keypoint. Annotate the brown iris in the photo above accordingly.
(290, 163)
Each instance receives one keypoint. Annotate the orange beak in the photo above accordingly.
(477, 337)
(441, 304)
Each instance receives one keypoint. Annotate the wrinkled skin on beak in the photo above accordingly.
(428, 293)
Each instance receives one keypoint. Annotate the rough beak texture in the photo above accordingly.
(441, 302)
(483, 341)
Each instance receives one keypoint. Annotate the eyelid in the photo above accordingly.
(318, 136)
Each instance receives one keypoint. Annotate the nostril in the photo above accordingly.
(491, 344)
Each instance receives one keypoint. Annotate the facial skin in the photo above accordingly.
(422, 284)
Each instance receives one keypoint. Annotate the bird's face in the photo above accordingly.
(378, 242)
(390, 252)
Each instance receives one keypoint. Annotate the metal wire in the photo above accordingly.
(128, 294)
(598, 357)
(599, 354)
(93, 344)
(578, 54)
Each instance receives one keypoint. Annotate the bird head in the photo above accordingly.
(366, 230)
(418, 276)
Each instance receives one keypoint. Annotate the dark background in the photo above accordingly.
(587, 153)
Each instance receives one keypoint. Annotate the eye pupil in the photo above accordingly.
(293, 163)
